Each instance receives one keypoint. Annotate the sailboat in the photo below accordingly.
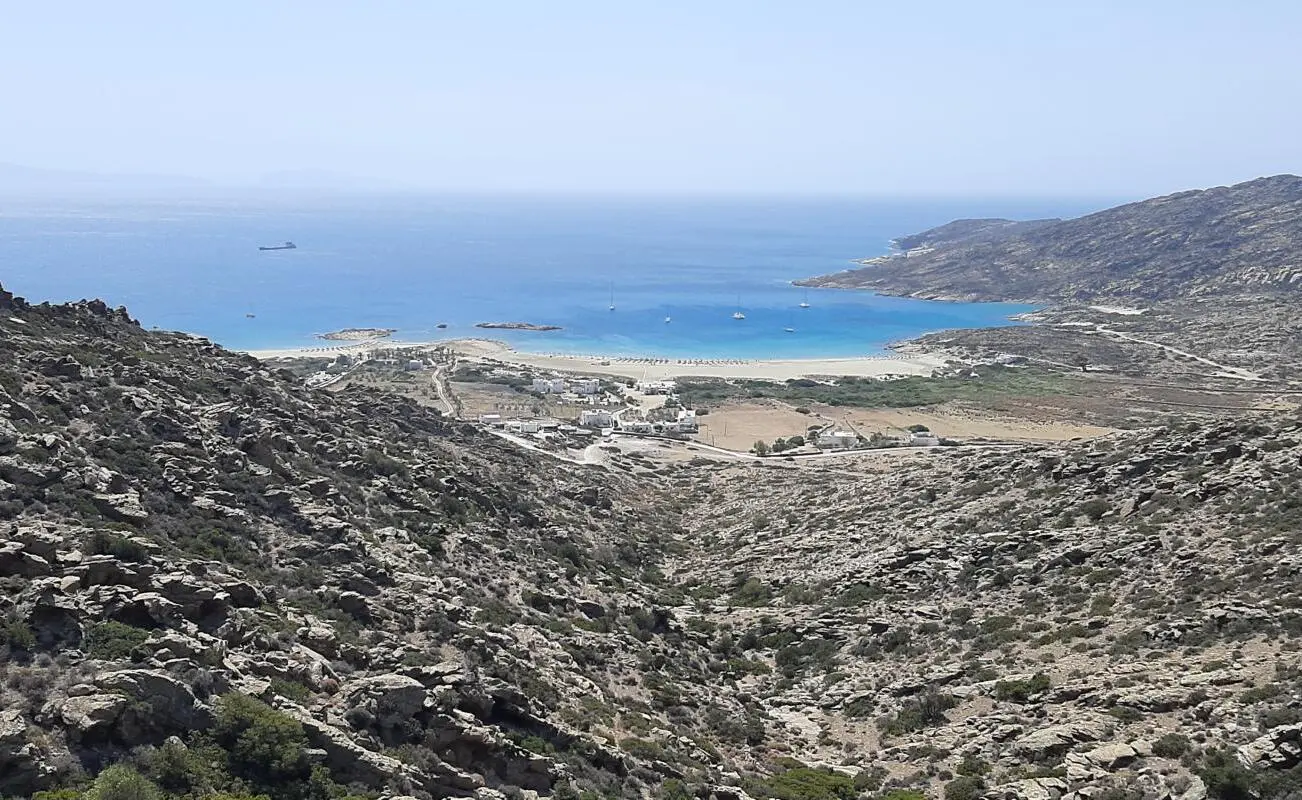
(612, 295)
(789, 328)
(737, 314)
(668, 320)
(805, 303)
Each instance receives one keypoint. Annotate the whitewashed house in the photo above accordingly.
(656, 387)
(596, 418)
(837, 439)
(549, 385)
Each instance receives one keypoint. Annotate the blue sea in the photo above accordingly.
(411, 263)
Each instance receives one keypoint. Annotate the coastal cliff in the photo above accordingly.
(1228, 240)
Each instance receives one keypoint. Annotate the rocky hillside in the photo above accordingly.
(960, 230)
(1224, 240)
(219, 584)
(1122, 619)
(232, 584)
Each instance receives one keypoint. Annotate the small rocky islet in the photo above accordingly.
(357, 334)
(518, 326)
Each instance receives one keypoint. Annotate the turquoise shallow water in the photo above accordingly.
(411, 263)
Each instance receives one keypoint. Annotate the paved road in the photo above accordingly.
(445, 396)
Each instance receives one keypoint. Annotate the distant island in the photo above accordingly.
(518, 326)
(357, 334)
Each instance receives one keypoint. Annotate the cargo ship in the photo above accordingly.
(285, 246)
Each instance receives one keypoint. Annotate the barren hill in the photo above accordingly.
(1225, 240)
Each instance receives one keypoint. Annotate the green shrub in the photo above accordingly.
(924, 712)
(1225, 777)
(17, 634)
(674, 789)
(753, 592)
(181, 770)
(642, 748)
(1171, 745)
(121, 548)
(114, 641)
(264, 746)
(1094, 509)
(121, 782)
(1126, 714)
(1021, 691)
(857, 594)
(803, 783)
(964, 787)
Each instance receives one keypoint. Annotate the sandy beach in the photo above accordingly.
(901, 363)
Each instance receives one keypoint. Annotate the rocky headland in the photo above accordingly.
(1227, 240)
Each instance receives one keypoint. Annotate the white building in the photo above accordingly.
(415, 365)
(837, 439)
(656, 387)
(596, 418)
(585, 386)
(495, 420)
(637, 426)
(549, 385)
(923, 439)
(687, 420)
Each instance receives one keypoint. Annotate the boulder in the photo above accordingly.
(17, 560)
(1054, 740)
(173, 707)
(107, 570)
(89, 716)
(1112, 756)
(1280, 748)
(125, 507)
(389, 700)
(148, 605)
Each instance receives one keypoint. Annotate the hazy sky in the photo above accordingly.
(1090, 97)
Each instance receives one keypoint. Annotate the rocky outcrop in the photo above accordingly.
(1279, 749)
